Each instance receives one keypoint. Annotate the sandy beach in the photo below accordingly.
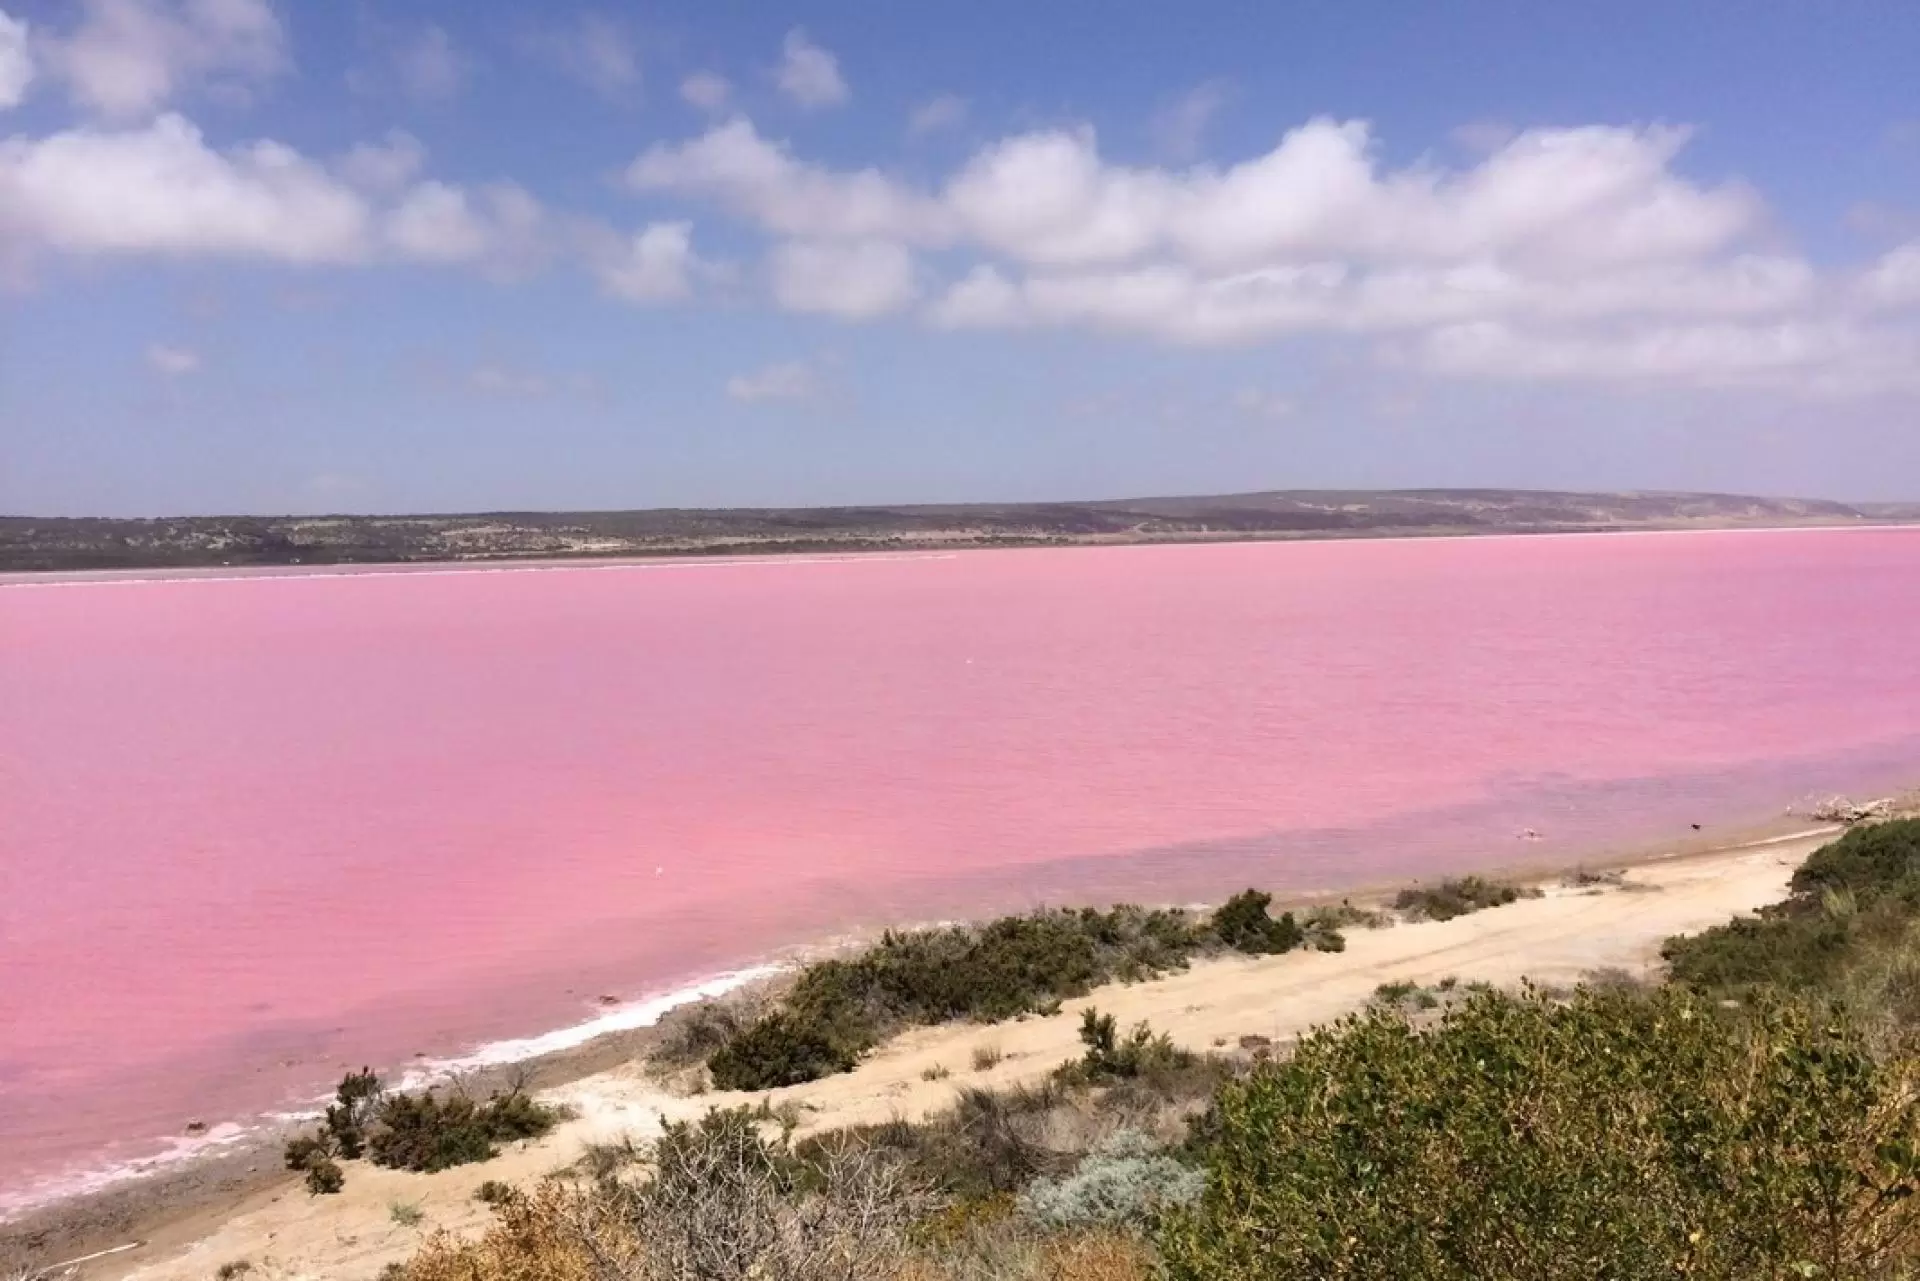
(261, 1216)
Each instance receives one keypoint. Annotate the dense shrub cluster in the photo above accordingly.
(838, 1009)
(1850, 900)
(1242, 924)
(781, 1049)
(419, 1132)
(1614, 1134)
(1457, 897)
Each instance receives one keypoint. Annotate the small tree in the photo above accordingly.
(356, 1103)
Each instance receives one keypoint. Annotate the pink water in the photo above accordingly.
(255, 829)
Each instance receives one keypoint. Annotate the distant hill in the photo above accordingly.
(81, 543)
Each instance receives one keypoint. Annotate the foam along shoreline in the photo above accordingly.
(262, 1134)
(1557, 938)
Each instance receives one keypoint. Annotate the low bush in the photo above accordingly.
(838, 1009)
(494, 1192)
(1404, 994)
(722, 1203)
(1613, 1134)
(1242, 924)
(325, 1177)
(1124, 1181)
(1109, 1057)
(1457, 897)
(690, 1033)
(419, 1132)
(780, 1050)
(1853, 898)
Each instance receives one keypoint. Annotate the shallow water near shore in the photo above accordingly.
(260, 830)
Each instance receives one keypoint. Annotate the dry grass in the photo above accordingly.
(986, 1057)
(1007, 1254)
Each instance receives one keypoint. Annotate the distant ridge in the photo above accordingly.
(82, 543)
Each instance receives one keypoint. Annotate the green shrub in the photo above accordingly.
(423, 1133)
(1614, 1135)
(426, 1133)
(356, 1103)
(305, 1151)
(418, 1132)
(1869, 861)
(840, 1008)
(1242, 924)
(325, 1177)
(494, 1192)
(1853, 898)
(1457, 897)
(1108, 1057)
(1404, 994)
(780, 1050)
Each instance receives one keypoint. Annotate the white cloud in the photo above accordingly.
(596, 51)
(1832, 357)
(1561, 228)
(1174, 302)
(129, 58)
(984, 299)
(853, 281)
(16, 61)
(162, 190)
(1179, 128)
(429, 66)
(1551, 199)
(761, 181)
(948, 111)
(706, 90)
(437, 223)
(499, 227)
(809, 74)
(172, 362)
(1047, 197)
(655, 265)
(1894, 281)
(383, 167)
(792, 380)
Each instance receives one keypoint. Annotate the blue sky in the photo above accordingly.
(393, 255)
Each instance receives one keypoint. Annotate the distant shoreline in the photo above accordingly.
(166, 1208)
(877, 553)
(42, 545)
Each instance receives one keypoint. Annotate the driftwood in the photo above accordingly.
(1839, 809)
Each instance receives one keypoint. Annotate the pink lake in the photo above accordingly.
(256, 829)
